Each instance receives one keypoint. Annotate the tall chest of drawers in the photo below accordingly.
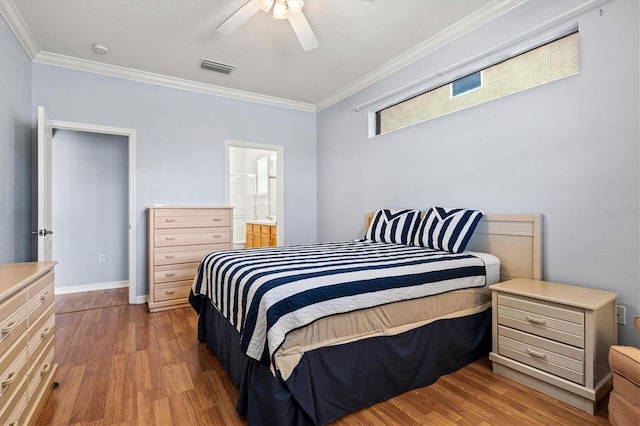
(178, 239)
(554, 338)
(27, 326)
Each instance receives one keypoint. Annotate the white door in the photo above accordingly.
(45, 138)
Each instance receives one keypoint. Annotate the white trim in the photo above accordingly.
(484, 15)
(13, 18)
(451, 33)
(166, 81)
(131, 135)
(471, 22)
(547, 31)
(280, 182)
(90, 287)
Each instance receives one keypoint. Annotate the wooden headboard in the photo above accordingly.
(515, 239)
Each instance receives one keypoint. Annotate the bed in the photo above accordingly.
(321, 366)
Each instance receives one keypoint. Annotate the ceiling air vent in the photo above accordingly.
(216, 66)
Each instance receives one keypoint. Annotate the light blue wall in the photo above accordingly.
(90, 207)
(568, 149)
(15, 149)
(181, 142)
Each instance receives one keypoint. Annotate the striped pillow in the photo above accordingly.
(393, 226)
(447, 229)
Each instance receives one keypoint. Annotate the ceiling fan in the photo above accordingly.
(282, 9)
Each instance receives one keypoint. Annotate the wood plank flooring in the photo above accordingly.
(120, 365)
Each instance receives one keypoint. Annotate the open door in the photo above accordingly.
(45, 138)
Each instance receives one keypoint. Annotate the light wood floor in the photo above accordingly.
(119, 364)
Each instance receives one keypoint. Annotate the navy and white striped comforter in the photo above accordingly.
(266, 293)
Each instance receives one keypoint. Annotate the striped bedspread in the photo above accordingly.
(266, 293)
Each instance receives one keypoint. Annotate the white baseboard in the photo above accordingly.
(93, 287)
(142, 299)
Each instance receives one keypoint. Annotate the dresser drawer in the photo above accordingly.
(180, 272)
(40, 370)
(185, 254)
(16, 408)
(561, 323)
(39, 285)
(191, 219)
(13, 368)
(173, 290)
(10, 306)
(40, 302)
(13, 326)
(191, 236)
(41, 332)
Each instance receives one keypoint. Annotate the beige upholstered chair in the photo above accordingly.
(624, 400)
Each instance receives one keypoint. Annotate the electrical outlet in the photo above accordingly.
(102, 258)
(622, 314)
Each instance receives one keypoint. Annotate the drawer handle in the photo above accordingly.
(45, 332)
(169, 256)
(169, 274)
(44, 296)
(170, 220)
(217, 236)
(45, 369)
(536, 354)
(169, 291)
(535, 320)
(216, 219)
(9, 328)
(10, 379)
(169, 238)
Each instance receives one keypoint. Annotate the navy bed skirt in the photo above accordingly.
(333, 381)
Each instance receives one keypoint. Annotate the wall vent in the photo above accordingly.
(216, 66)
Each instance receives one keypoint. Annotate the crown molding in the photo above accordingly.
(163, 80)
(451, 33)
(13, 18)
(546, 31)
(484, 15)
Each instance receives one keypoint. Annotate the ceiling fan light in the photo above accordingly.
(265, 5)
(280, 10)
(295, 6)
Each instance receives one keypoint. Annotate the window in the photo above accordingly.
(549, 62)
(466, 84)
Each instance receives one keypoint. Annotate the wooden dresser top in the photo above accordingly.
(15, 276)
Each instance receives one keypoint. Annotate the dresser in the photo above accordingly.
(27, 328)
(261, 234)
(554, 338)
(178, 238)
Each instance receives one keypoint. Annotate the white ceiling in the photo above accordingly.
(162, 41)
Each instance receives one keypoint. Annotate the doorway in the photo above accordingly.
(130, 136)
(254, 187)
(89, 211)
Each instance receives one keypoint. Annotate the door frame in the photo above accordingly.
(279, 149)
(130, 134)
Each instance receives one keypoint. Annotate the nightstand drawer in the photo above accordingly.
(541, 359)
(560, 323)
(547, 355)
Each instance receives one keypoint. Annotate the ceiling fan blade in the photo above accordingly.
(303, 30)
(239, 17)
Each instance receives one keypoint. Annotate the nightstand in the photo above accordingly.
(554, 338)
